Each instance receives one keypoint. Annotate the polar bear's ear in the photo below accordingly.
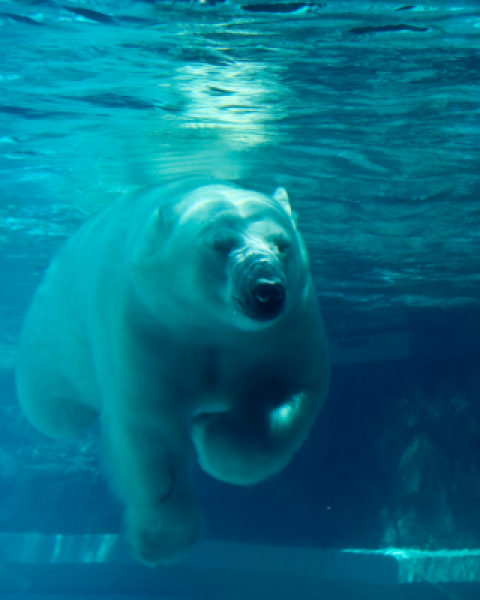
(162, 220)
(147, 241)
(158, 218)
(155, 226)
(281, 196)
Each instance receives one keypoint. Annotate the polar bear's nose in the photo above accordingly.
(269, 297)
(259, 285)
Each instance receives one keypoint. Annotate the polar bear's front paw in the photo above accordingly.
(155, 538)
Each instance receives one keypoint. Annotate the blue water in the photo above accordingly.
(368, 113)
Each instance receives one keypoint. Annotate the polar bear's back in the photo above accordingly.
(56, 371)
(56, 381)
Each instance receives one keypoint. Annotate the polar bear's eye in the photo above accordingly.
(224, 244)
(282, 245)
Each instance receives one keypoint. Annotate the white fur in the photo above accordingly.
(135, 322)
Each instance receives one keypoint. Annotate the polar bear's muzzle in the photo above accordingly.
(259, 286)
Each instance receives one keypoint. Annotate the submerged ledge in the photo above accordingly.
(102, 564)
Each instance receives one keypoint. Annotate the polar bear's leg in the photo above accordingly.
(153, 479)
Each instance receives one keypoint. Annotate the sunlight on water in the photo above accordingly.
(367, 114)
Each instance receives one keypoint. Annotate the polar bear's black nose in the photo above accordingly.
(269, 298)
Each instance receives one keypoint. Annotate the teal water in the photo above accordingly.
(368, 113)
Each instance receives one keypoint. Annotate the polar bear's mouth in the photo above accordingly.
(268, 297)
(259, 288)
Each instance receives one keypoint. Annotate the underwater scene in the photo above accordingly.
(239, 299)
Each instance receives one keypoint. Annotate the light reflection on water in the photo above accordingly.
(367, 114)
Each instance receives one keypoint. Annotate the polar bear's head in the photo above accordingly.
(222, 255)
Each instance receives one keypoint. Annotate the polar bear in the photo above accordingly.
(185, 318)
